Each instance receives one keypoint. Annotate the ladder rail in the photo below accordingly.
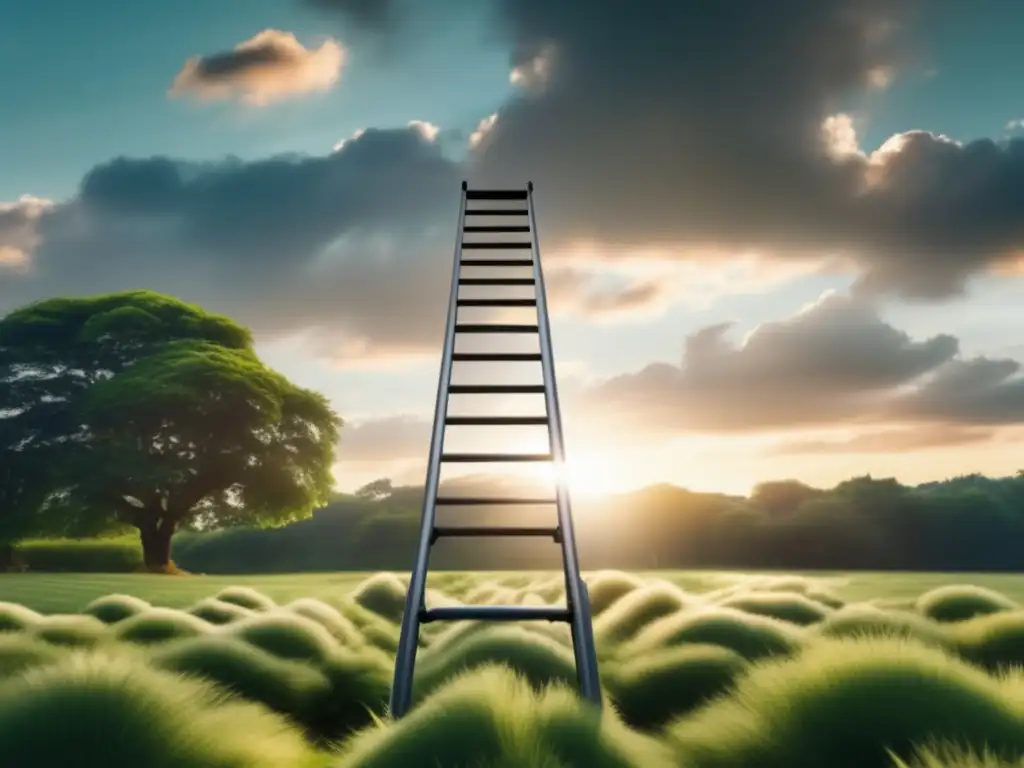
(575, 589)
(405, 656)
(577, 608)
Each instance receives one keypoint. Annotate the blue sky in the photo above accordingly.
(91, 82)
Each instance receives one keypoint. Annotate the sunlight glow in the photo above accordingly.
(587, 476)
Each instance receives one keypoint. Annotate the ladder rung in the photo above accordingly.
(495, 458)
(497, 228)
(496, 281)
(484, 531)
(496, 262)
(488, 501)
(495, 328)
(497, 246)
(496, 303)
(496, 357)
(495, 421)
(496, 389)
(495, 194)
(497, 212)
(496, 613)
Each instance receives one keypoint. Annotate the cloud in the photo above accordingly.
(322, 248)
(482, 129)
(898, 440)
(326, 246)
(834, 362)
(367, 15)
(19, 231)
(692, 125)
(271, 66)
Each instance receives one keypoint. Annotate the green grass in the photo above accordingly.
(699, 669)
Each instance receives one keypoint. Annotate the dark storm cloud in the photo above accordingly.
(688, 123)
(835, 362)
(354, 246)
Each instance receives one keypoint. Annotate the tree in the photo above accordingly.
(155, 413)
(376, 490)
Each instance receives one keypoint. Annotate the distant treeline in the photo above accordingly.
(970, 523)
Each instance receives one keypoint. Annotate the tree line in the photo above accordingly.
(969, 523)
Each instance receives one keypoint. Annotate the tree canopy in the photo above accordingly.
(137, 408)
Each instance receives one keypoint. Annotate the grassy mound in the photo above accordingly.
(845, 705)
(492, 719)
(217, 611)
(15, 618)
(855, 621)
(111, 609)
(114, 712)
(657, 687)
(482, 592)
(383, 594)
(538, 659)
(786, 606)
(158, 625)
(285, 686)
(287, 636)
(752, 637)
(19, 652)
(246, 598)
(959, 602)
(360, 687)
(341, 628)
(81, 631)
(605, 587)
(632, 612)
(811, 588)
(994, 642)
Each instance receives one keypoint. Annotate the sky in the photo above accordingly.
(781, 240)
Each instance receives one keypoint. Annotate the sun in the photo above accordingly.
(586, 475)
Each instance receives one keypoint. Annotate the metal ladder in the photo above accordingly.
(576, 612)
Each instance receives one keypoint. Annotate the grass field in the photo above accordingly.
(67, 593)
(699, 670)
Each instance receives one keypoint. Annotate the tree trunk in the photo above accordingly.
(156, 536)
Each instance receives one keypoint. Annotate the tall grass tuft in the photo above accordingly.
(847, 705)
(383, 594)
(753, 637)
(218, 612)
(96, 710)
(538, 659)
(494, 719)
(81, 631)
(655, 688)
(246, 597)
(635, 610)
(287, 636)
(158, 625)
(111, 609)
(785, 606)
(959, 602)
(20, 651)
(15, 618)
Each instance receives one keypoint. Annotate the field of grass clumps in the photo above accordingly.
(730, 671)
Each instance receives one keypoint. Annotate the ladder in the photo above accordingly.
(519, 207)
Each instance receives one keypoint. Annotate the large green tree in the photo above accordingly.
(140, 409)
